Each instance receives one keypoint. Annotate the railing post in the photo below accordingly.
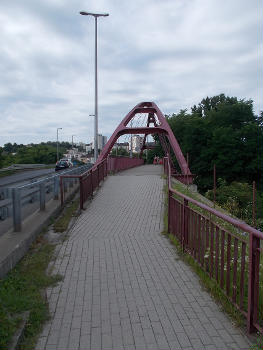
(42, 196)
(16, 198)
(98, 174)
(81, 199)
(65, 185)
(103, 170)
(169, 211)
(91, 182)
(56, 187)
(253, 282)
(61, 190)
(184, 225)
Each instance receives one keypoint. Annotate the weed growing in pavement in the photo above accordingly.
(259, 344)
(61, 224)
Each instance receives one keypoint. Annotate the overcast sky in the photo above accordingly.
(172, 52)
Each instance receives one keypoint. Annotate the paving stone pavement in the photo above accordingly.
(124, 286)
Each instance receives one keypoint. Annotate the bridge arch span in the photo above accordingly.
(156, 124)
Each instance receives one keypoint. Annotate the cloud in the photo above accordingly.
(171, 52)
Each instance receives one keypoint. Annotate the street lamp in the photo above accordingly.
(72, 141)
(95, 15)
(93, 115)
(57, 141)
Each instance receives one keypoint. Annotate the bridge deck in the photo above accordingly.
(124, 286)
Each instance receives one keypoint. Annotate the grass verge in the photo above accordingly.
(63, 221)
(22, 290)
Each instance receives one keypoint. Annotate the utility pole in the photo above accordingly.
(72, 141)
(57, 141)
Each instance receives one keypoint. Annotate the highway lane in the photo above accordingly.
(24, 176)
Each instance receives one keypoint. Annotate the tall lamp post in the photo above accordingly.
(57, 141)
(72, 156)
(95, 15)
(72, 141)
(93, 115)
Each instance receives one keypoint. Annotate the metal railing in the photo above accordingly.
(91, 179)
(22, 200)
(88, 182)
(122, 163)
(228, 250)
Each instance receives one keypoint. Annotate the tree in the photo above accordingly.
(119, 152)
(224, 131)
(44, 153)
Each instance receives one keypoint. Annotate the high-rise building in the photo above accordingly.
(102, 140)
(137, 141)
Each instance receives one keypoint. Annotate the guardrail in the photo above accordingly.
(90, 180)
(16, 204)
(23, 167)
(228, 250)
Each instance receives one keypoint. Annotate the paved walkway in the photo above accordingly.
(124, 285)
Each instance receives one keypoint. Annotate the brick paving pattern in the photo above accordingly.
(124, 286)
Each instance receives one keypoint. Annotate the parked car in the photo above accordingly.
(63, 164)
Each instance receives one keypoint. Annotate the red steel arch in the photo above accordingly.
(162, 129)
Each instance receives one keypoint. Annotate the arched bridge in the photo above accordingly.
(155, 124)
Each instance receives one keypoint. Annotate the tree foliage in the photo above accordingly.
(119, 152)
(44, 153)
(223, 131)
(237, 198)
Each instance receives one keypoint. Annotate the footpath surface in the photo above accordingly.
(124, 286)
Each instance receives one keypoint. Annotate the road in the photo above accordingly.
(24, 176)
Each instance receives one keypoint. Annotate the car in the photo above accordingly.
(63, 164)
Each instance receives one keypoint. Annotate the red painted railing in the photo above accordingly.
(122, 163)
(90, 180)
(228, 250)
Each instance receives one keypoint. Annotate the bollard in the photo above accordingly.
(16, 198)
(42, 196)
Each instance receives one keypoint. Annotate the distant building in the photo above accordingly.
(137, 141)
(102, 140)
(88, 148)
(81, 145)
